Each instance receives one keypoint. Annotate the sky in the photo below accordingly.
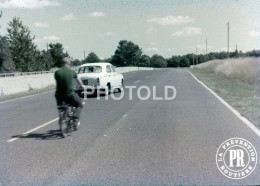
(164, 27)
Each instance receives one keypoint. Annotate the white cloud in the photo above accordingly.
(168, 50)
(171, 20)
(150, 30)
(41, 25)
(188, 31)
(253, 33)
(225, 49)
(47, 39)
(30, 4)
(68, 17)
(109, 34)
(152, 43)
(202, 48)
(51, 38)
(152, 49)
(66, 47)
(97, 14)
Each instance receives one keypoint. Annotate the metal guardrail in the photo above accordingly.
(24, 73)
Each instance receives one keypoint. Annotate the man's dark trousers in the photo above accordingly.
(73, 100)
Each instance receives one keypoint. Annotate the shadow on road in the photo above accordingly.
(49, 135)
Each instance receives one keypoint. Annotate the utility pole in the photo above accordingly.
(47, 46)
(206, 46)
(228, 38)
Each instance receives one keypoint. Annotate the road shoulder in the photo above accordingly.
(241, 98)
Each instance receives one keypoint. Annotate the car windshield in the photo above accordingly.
(90, 69)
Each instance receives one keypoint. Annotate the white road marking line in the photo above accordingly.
(137, 81)
(32, 130)
(246, 121)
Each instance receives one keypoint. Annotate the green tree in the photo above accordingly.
(44, 61)
(158, 61)
(57, 53)
(174, 61)
(253, 53)
(222, 55)
(184, 62)
(190, 58)
(91, 58)
(144, 61)
(108, 60)
(6, 62)
(24, 51)
(76, 62)
(212, 56)
(126, 54)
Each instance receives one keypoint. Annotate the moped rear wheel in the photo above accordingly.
(64, 129)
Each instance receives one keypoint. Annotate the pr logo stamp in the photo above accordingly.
(236, 158)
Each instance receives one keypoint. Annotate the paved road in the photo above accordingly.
(123, 142)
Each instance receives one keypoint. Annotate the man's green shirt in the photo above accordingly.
(65, 81)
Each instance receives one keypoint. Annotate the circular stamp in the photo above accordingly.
(236, 158)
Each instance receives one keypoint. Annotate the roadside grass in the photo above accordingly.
(243, 69)
(240, 94)
(27, 93)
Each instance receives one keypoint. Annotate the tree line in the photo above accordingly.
(130, 54)
(18, 52)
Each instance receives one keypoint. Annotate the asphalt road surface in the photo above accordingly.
(125, 142)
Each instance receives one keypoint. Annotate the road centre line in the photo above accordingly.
(32, 130)
(246, 121)
(137, 81)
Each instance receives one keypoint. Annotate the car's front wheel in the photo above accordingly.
(108, 89)
(122, 86)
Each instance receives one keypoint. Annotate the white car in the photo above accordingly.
(99, 77)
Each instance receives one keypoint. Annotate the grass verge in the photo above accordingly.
(242, 96)
(27, 93)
